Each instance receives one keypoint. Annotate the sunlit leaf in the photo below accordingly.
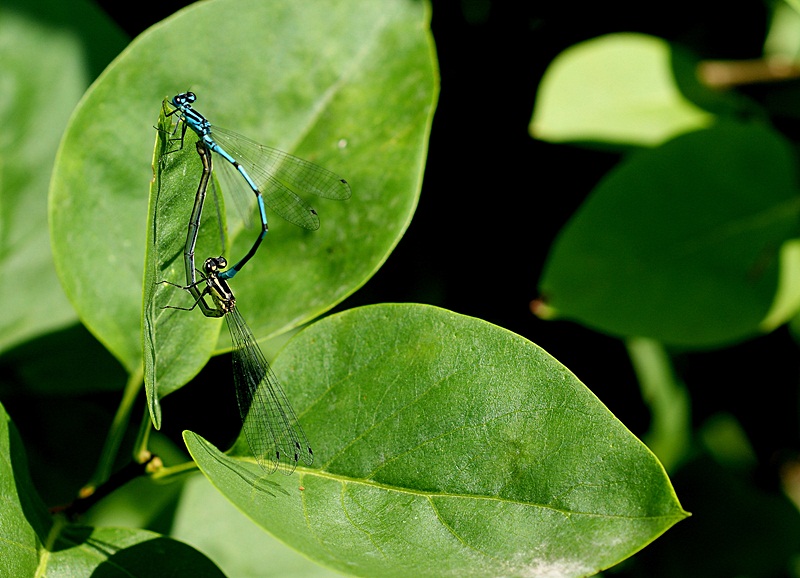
(444, 442)
(351, 87)
(618, 88)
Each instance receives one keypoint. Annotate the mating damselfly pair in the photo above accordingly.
(276, 181)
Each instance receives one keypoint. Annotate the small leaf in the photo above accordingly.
(617, 88)
(24, 521)
(681, 243)
(442, 441)
(177, 344)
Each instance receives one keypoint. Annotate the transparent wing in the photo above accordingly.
(283, 178)
(269, 422)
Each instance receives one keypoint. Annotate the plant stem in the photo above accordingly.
(118, 426)
(724, 74)
(116, 480)
(667, 398)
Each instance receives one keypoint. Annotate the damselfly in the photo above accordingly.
(281, 177)
(270, 425)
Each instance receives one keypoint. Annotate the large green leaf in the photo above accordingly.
(34, 544)
(43, 48)
(618, 88)
(350, 86)
(682, 243)
(447, 446)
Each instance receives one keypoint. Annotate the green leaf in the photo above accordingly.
(205, 519)
(33, 544)
(176, 345)
(24, 522)
(350, 86)
(787, 295)
(617, 88)
(442, 441)
(681, 243)
(783, 37)
(37, 101)
(111, 552)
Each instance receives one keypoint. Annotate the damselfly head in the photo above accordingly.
(183, 99)
(213, 265)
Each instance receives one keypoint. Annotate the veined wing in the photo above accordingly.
(282, 178)
(268, 420)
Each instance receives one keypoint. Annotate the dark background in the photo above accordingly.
(492, 202)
